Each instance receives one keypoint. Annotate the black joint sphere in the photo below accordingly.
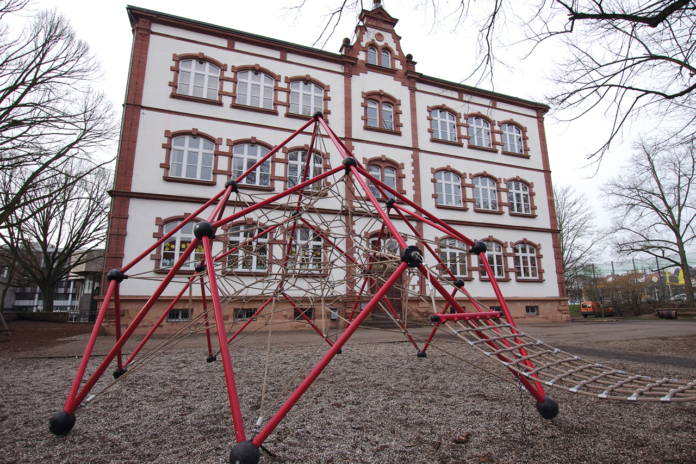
(233, 183)
(61, 423)
(117, 275)
(549, 408)
(348, 162)
(422, 354)
(478, 248)
(210, 358)
(318, 114)
(412, 256)
(204, 229)
(244, 453)
(390, 203)
(119, 372)
(296, 213)
(459, 283)
(200, 268)
(434, 318)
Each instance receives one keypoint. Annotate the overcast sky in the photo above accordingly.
(441, 53)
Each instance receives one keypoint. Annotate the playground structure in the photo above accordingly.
(345, 260)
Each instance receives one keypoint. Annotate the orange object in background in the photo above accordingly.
(591, 308)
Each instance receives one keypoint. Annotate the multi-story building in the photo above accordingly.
(203, 100)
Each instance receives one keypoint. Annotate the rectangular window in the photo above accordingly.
(309, 312)
(242, 314)
(495, 308)
(178, 315)
(532, 310)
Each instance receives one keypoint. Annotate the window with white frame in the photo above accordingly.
(388, 245)
(386, 175)
(496, 260)
(518, 197)
(485, 194)
(306, 251)
(385, 121)
(526, 261)
(372, 113)
(245, 155)
(178, 315)
(386, 59)
(192, 158)
(448, 187)
(372, 55)
(387, 116)
(306, 98)
(444, 125)
(198, 79)
(296, 167)
(255, 89)
(177, 244)
(249, 256)
(512, 139)
(453, 253)
(480, 132)
(242, 314)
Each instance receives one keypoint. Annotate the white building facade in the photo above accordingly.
(203, 99)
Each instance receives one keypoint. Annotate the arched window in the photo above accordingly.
(173, 248)
(372, 55)
(388, 245)
(372, 113)
(526, 261)
(198, 79)
(480, 132)
(512, 139)
(495, 260)
(444, 125)
(485, 194)
(245, 155)
(386, 59)
(255, 89)
(192, 158)
(296, 166)
(306, 98)
(306, 251)
(448, 187)
(387, 116)
(386, 121)
(248, 256)
(518, 197)
(387, 175)
(453, 253)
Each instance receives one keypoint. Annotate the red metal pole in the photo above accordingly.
(224, 350)
(249, 320)
(117, 323)
(308, 320)
(326, 359)
(205, 316)
(90, 345)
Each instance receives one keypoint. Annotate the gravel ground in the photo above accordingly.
(376, 402)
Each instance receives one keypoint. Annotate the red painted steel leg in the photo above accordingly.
(224, 350)
(308, 319)
(307, 382)
(90, 345)
(205, 316)
(117, 323)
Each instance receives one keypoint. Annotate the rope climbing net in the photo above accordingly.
(281, 256)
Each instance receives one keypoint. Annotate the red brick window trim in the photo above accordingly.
(176, 157)
(389, 171)
(484, 200)
(445, 124)
(297, 164)
(185, 91)
(497, 256)
(455, 255)
(308, 86)
(255, 149)
(253, 258)
(444, 189)
(376, 114)
(172, 249)
(519, 199)
(481, 132)
(244, 80)
(527, 260)
(514, 137)
(376, 55)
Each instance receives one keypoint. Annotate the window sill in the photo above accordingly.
(260, 188)
(523, 215)
(517, 279)
(449, 279)
(447, 142)
(253, 108)
(454, 208)
(488, 211)
(378, 68)
(184, 180)
(497, 279)
(179, 272)
(207, 101)
(385, 131)
(518, 155)
(246, 273)
(312, 193)
(489, 150)
(288, 114)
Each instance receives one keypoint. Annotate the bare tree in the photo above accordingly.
(653, 205)
(579, 235)
(625, 58)
(50, 116)
(56, 234)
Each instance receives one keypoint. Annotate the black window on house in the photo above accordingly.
(178, 315)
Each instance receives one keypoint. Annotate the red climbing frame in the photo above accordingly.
(411, 256)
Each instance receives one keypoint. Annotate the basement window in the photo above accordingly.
(178, 315)
(532, 310)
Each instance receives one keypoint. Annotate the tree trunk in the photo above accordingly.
(47, 298)
(688, 288)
